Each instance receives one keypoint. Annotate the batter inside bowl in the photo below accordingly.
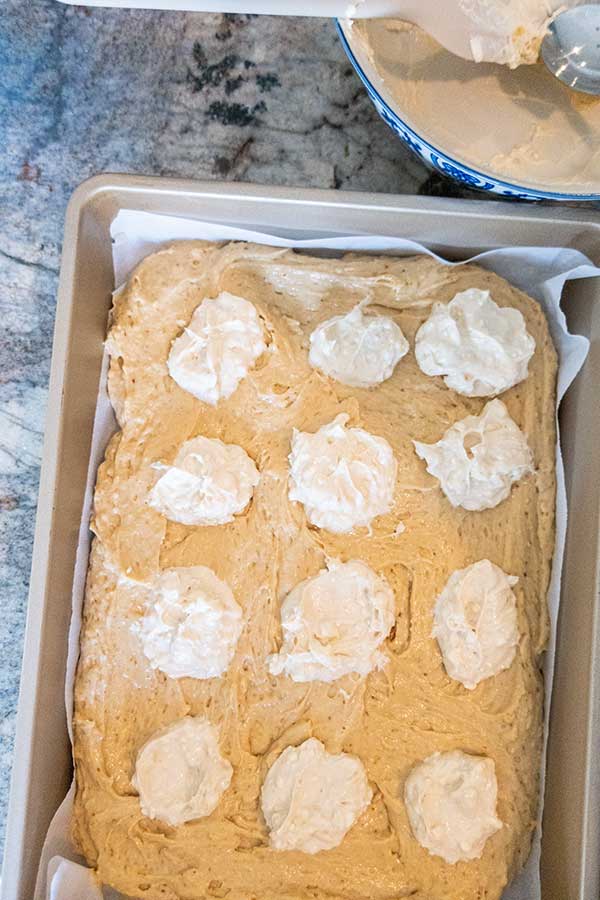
(521, 126)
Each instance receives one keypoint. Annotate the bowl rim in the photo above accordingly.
(519, 189)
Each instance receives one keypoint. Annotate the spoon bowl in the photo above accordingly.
(571, 48)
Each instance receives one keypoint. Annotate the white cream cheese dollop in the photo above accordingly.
(208, 484)
(310, 798)
(357, 350)
(475, 623)
(481, 349)
(220, 345)
(180, 774)
(479, 458)
(192, 626)
(344, 477)
(508, 32)
(334, 623)
(451, 800)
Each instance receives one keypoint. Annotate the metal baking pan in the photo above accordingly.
(42, 768)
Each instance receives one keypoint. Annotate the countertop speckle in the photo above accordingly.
(86, 90)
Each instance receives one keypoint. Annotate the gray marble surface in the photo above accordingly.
(83, 90)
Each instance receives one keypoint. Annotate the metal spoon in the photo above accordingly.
(571, 49)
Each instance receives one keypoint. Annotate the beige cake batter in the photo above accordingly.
(393, 718)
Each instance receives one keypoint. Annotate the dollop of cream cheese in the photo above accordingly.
(479, 458)
(192, 626)
(208, 484)
(310, 798)
(180, 774)
(481, 349)
(334, 623)
(344, 477)
(357, 350)
(451, 800)
(509, 32)
(475, 623)
(220, 345)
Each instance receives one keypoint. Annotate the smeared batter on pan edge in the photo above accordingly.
(390, 720)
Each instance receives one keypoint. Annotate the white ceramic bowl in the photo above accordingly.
(517, 133)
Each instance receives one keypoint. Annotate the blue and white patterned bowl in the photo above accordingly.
(444, 160)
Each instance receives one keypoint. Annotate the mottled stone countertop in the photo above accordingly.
(82, 91)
